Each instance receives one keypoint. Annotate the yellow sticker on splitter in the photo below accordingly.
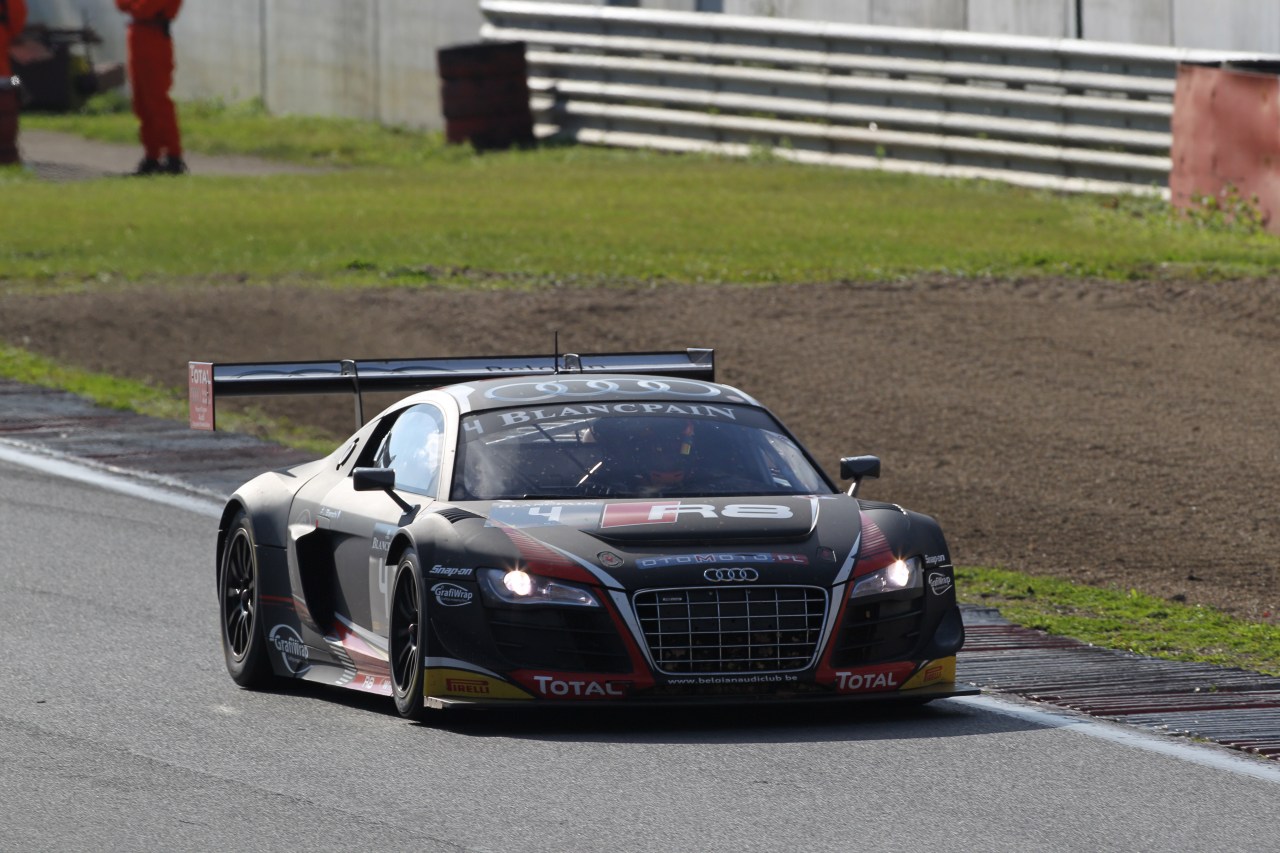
(461, 684)
(933, 672)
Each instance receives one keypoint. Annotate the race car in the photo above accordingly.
(611, 528)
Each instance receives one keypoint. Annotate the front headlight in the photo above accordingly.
(520, 587)
(898, 575)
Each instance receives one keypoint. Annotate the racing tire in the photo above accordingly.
(406, 644)
(239, 589)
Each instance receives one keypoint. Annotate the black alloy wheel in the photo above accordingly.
(408, 628)
(243, 643)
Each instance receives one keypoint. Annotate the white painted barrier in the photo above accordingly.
(1054, 113)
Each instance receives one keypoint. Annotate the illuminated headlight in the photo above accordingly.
(520, 587)
(898, 575)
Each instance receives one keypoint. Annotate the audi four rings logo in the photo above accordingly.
(537, 391)
(726, 575)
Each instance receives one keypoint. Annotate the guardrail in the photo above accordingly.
(1051, 113)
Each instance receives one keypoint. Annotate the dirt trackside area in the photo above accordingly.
(1121, 434)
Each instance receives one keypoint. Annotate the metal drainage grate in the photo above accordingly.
(1229, 706)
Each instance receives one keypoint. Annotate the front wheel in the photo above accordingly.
(408, 629)
(243, 643)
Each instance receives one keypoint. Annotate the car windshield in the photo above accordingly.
(629, 450)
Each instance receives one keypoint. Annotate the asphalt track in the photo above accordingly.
(120, 731)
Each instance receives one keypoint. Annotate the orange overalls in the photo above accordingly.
(13, 18)
(151, 74)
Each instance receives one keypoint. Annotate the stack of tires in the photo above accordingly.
(485, 95)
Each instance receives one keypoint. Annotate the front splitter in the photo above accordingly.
(919, 695)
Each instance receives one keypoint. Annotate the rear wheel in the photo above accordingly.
(243, 644)
(408, 629)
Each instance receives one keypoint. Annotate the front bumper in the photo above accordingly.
(454, 686)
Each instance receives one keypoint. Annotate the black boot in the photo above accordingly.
(148, 166)
(173, 165)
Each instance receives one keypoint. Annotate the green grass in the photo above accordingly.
(404, 208)
(154, 401)
(1124, 619)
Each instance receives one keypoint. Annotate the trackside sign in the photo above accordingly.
(200, 394)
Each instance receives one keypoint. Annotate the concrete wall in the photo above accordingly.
(375, 59)
(1132, 21)
(1047, 18)
(1252, 25)
(220, 50)
(369, 59)
(411, 33)
(322, 57)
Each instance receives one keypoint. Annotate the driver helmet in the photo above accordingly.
(657, 449)
(669, 447)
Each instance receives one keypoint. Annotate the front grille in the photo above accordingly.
(732, 629)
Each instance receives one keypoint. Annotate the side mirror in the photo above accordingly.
(859, 468)
(373, 479)
(379, 480)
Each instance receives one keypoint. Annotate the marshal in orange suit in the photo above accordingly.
(151, 75)
(13, 17)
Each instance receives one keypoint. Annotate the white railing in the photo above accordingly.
(1053, 113)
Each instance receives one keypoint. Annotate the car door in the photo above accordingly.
(361, 525)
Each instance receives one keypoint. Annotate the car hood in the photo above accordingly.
(643, 543)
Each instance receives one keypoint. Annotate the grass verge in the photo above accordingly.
(1124, 619)
(402, 207)
(115, 393)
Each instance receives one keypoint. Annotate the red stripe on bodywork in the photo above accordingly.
(543, 560)
(365, 656)
(874, 552)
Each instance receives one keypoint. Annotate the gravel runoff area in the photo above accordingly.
(1118, 434)
(1114, 433)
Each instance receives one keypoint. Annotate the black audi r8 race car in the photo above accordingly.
(609, 528)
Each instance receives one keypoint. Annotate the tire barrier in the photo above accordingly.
(485, 95)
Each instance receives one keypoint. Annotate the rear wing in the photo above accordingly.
(207, 382)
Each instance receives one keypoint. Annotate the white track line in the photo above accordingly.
(1216, 756)
(149, 487)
